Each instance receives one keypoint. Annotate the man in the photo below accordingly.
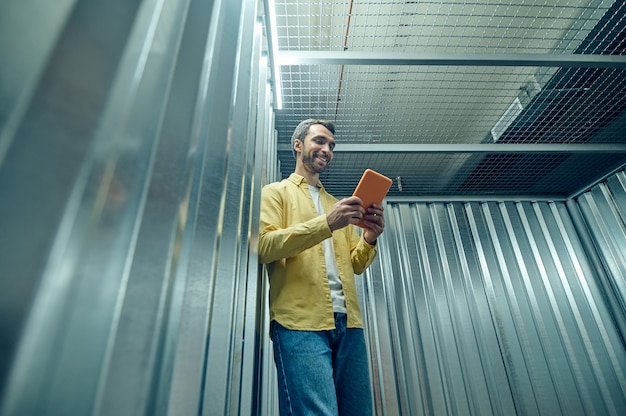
(312, 252)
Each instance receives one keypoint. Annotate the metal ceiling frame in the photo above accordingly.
(292, 60)
(449, 59)
(504, 198)
(583, 148)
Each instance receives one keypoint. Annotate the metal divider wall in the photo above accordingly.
(499, 307)
(130, 174)
(602, 212)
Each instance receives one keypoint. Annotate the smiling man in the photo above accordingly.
(312, 252)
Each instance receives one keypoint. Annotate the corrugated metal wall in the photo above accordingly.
(603, 210)
(131, 162)
(130, 178)
(500, 307)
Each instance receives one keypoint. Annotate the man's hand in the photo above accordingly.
(347, 211)
(374, 222)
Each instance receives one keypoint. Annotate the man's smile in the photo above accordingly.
(324, 159)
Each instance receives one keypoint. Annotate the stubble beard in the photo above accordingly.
(310, 162)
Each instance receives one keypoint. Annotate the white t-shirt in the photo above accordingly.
(336, 289)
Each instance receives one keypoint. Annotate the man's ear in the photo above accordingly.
(297, 145)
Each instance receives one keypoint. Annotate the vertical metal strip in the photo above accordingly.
(252, 308)
(224, 351)
(89, 147)
(269, 173)
(549, 320)
(476, 325)
(206, 330)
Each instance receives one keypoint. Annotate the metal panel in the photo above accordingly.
(268, 403)
(27, 32)
(127, 205)
(58, 191)
(489, 308)
(603, 212)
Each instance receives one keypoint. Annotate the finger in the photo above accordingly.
(373, 227)
(357, 214)
(381, 222)
(358, 209)
(353, 200)
(354, 219)
(374, 222)
(375, 211)
(376, 216)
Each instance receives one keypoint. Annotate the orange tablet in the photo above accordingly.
(372, 188)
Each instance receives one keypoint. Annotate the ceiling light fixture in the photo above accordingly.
(524, 97)
(511, 113)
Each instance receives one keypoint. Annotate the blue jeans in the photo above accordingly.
(322, 372)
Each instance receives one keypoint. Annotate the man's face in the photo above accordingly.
(317, 149)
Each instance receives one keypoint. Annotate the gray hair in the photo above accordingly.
(303, 129)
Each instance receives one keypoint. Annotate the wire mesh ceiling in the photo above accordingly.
(473, 74)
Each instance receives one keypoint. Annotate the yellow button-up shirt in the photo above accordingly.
(290, 244)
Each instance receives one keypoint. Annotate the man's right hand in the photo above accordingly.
(347, 211)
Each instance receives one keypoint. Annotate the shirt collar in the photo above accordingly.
(299, 180)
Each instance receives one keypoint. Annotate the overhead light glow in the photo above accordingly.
(278, 95)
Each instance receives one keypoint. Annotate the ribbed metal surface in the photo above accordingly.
(129, 191)
(493, 308)
(133, 148)
(603, 210)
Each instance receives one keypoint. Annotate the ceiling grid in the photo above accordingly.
(492, 86)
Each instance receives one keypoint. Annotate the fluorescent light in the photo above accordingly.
(524, 97)
(507, 119)
(278, 95)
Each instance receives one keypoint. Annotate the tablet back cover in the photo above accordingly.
(372, 189)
